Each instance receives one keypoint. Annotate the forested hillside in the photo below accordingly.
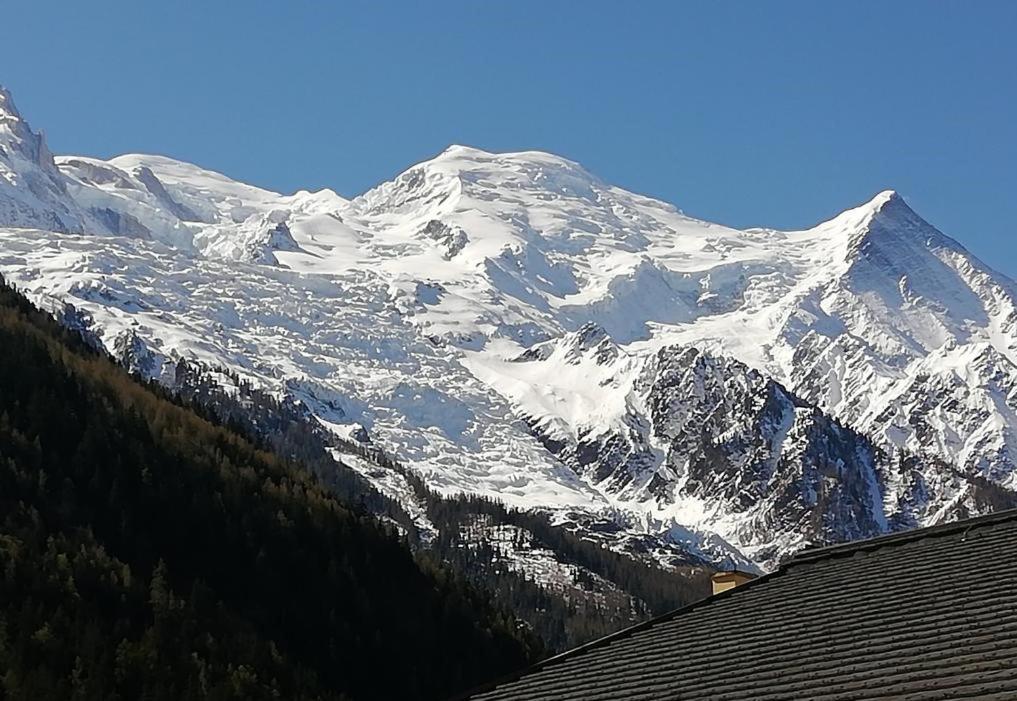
(146, 552)
(567, 586)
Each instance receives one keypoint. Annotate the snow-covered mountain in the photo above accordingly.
(510, 325)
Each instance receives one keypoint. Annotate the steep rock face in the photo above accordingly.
(785, 471)
(32, 191)
(706, 442)
(510, 325)
(959, 402)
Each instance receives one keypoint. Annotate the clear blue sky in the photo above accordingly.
(776, 114)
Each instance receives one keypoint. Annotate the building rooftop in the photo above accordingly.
(922, 615)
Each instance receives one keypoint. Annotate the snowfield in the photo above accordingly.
(512, 326)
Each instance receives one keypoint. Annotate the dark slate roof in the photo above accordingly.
(928, 614)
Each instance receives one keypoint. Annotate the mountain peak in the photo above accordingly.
(889, 203)
(887, 238)
(16, 134)
(464, 151)
(886, 211)
(519, 159)
(7, 108)
(883, 198)
(437, 183)
(885, 201)
(12, 124)
(889, 210)
(32, 190)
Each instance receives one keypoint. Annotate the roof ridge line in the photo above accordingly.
(836, 549)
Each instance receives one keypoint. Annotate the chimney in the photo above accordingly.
(722, 581)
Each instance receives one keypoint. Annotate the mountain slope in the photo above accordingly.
(419, 314)
(150, 554)
(560, 582)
